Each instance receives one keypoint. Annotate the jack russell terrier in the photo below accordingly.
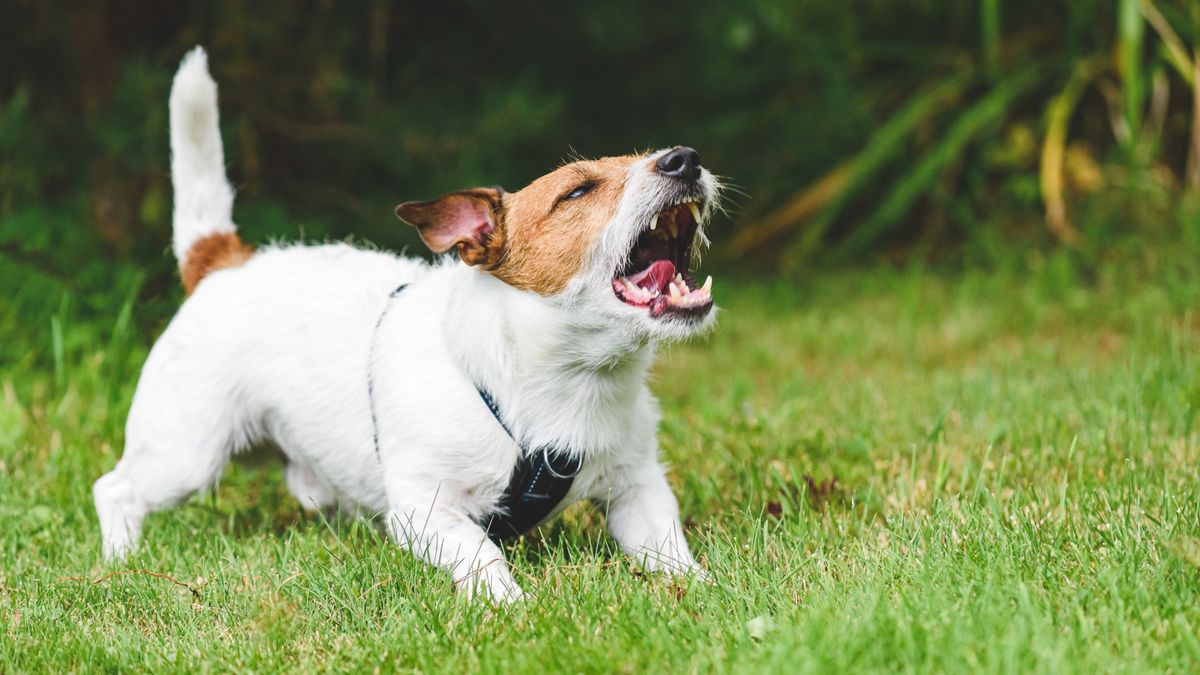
(464, 401)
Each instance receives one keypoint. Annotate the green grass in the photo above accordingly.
(1005, 472)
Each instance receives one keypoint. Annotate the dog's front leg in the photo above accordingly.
(643, 516)
(444, 536)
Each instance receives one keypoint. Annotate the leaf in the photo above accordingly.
(887, 142)
(1173, 48)
(810, 200)
(1130, 31)
(1058, 122)
(987, 111)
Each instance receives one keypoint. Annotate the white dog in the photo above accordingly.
(465, 401)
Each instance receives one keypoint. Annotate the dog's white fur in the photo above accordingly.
(278, 350)
(203, 198)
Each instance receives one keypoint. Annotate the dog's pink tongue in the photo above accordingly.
(656, 276)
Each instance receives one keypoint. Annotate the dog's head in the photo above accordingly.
(616, 237)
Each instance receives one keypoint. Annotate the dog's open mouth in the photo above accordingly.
(657, 275)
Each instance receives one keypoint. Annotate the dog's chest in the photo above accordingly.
(591, 446)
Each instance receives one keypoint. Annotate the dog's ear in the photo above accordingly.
(470, 220)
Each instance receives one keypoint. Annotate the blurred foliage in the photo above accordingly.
(917, 129)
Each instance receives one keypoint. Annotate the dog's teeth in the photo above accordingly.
(695, 211)
(675, 294)
(707, 287)
(654, 221)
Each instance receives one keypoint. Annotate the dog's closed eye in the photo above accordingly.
(576, 192)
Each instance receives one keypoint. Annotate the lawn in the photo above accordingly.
(885, 470)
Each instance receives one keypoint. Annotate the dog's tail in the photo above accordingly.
(205, 238)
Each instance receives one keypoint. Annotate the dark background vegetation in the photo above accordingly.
(855, 133)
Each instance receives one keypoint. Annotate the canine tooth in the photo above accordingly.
(675, 294)
(707, 287)
(654, 221)
(695, 211)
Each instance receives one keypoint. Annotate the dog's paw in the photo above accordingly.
(693, 571)
(505, 594)
(494, 589)
(674, 563)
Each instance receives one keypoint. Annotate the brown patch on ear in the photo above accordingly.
(471, 220)
(216, 251)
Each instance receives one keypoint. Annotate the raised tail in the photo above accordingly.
(205, 238)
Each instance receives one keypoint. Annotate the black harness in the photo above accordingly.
(540, 480)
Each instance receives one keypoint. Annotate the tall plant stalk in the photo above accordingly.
(1130, 34)
(1193, 166)
(989, 28)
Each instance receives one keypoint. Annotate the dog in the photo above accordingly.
(465, 400)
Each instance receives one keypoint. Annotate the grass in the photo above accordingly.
(893, 470)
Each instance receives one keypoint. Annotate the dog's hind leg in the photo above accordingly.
(313, 495)
(178, 439)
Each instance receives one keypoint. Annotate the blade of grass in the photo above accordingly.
(56, 337)
(118, 344)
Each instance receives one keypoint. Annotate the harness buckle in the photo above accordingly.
(550, 465)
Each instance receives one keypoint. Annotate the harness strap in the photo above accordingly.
(371, 367)
(540, 480)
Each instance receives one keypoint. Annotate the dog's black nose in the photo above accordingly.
(682, 162)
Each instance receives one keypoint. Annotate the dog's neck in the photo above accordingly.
(556, 372)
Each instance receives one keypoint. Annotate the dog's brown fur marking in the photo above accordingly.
(213, 252)
(536, 239)
(546, 238)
